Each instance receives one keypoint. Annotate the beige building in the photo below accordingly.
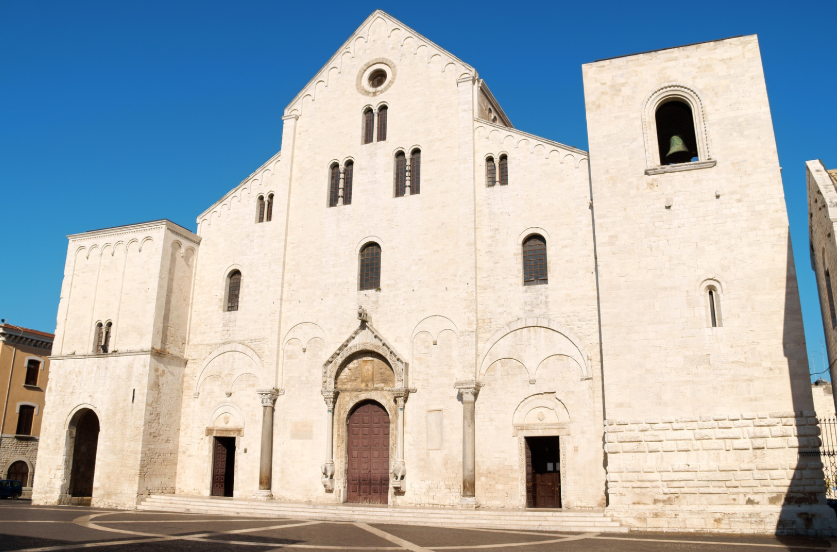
(24, 371)
(415, 303)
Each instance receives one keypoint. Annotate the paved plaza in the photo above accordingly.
(48, 528)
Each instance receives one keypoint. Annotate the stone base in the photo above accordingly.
(263, 495)
(809, 520)
(467, 502)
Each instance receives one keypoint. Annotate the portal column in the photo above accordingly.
(398, 473)
(328, 468)
(268, 397)
(469, 391)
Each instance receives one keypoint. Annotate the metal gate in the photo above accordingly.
(827, 454)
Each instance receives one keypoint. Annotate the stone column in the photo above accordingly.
(399, 468)
(407, 158)
(328, 468)
(340, 188)
(268, 397)
(469, 391)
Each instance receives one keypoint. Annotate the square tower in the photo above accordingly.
(705, 371)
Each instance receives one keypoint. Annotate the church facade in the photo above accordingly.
(415, 303)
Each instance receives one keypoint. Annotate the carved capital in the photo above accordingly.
(330, 397)
(269, 396)
(469, 389)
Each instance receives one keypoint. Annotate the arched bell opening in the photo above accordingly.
(676, 133)
(83, 444)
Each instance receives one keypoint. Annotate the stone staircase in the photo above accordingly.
(518, 519)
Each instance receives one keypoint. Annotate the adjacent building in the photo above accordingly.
(24, 371)
(415, 303)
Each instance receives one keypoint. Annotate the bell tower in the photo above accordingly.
(701, 324)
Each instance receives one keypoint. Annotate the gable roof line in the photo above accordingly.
(502, 113)
(228, 194)
(351, 39)
(529, 135)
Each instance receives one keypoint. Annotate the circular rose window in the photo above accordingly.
(377, 78)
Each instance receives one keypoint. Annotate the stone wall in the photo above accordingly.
(13, 450)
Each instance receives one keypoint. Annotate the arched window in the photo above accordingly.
(368, 125)
(504, 170)
(370, 267)
(400, 173)
(333, 185)
(348, 173)
(25, 415)
(415, 171)
(233, 290)
(676, 133)
(269, 215)
(98, 339)
(33, 366)
(260, 217)
(534, 260)
(19, 471)
(490, 171)
(830, 298)
(713, 299)
(382, 123)
(106, 341)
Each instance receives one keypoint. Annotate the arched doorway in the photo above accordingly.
(368, 454)
(19, 471)
(85, 435)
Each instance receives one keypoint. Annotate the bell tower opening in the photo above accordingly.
(676, 133)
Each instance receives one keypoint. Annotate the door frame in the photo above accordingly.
(564, 441)
(211, 435)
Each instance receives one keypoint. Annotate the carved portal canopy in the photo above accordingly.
(366, 338)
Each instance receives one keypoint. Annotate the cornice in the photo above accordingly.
(149, 352)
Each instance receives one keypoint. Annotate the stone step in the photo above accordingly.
(538, 520)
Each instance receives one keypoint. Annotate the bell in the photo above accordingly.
(678, 152)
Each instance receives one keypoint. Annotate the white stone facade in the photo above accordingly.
(612, 355)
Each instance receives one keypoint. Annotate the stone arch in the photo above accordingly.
(230, 409)
(541, 401)
(82, 439)
(333, 368)
(29, 466)
(225, 349)
(664, 94)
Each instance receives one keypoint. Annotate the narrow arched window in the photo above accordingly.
(676, 133)
(368, 125)
(382, 123)
(333, 185)
(714, 318)
(233, 290)
(370, 267)
(534, 261)
(830, 299)
(415, 172)
(97, 339)
(269, 214)
(490, 171)
(400, 173)
(106, 341)
(348, 175)
(261, 209)
(504, 170)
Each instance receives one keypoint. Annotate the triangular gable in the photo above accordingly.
(409, 39)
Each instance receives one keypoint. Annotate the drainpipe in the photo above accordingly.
(8, 390)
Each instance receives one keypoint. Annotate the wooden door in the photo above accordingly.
(223, 466)
(368, 454)
(543, 472)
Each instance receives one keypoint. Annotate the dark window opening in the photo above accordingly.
(712, 314)
(830, 299)
(97, 340)
(269, 215)
(233, 290)
(24, 419)
(368, 126)
(32, 369)
(348, 173)
(534, 261)
(504, 170)
(382, 123)
(377, 78)
(415, 172)
(106, 341)
(334, 186)
(400, 173)
(676, 133)
(261, 208)
(490, 172)
(370, 267)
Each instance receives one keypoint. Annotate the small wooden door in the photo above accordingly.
(543, 472)
(223, 466)
(368, 454)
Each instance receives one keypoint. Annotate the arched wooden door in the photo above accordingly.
(368, 453)
(19, 471)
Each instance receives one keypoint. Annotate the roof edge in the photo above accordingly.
(237, 186)
(169, 225)
(668, 48)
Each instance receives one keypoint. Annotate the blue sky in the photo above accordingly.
(113, 112)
